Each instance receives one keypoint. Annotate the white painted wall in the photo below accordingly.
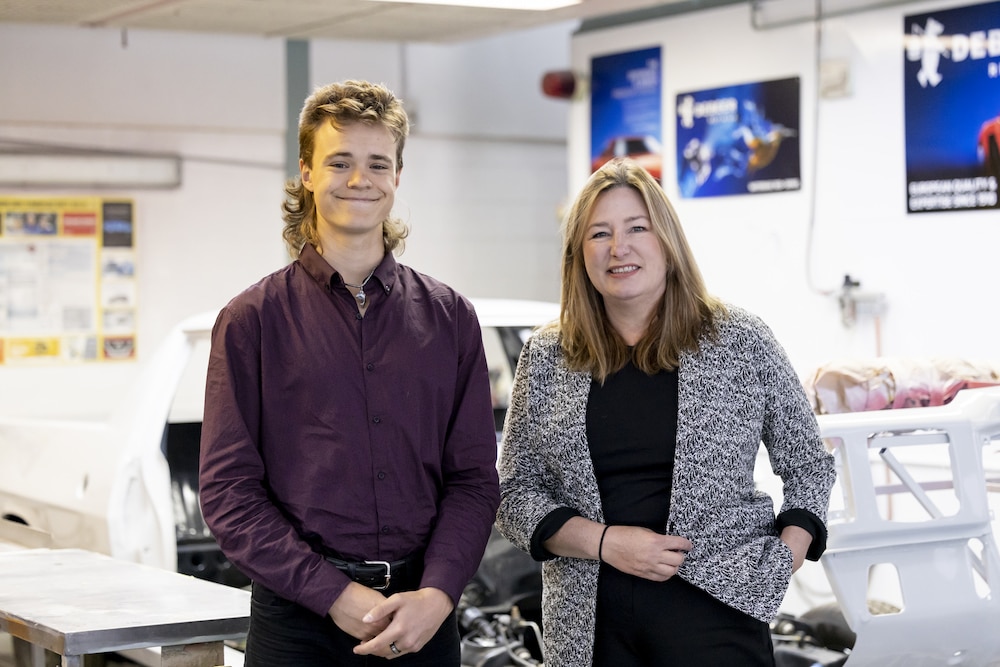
(485, 166)
(938, 271)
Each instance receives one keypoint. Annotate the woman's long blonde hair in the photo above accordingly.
(686, 310)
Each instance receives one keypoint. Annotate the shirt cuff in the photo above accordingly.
(546, 528)
(807, 521)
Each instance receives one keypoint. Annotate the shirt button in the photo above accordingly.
(377, 420)
(381, 475)
(385, 530)
(387, 289)
(357, 316)
(370, 367)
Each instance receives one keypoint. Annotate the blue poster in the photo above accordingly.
(952, 106)
(625, 109)
(738, 140)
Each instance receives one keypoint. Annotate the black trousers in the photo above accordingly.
(284, 634)
(642, 623)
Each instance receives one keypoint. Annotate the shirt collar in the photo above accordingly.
(324, 274)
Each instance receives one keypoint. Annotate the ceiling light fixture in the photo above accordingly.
(89, 170)
(528, 5)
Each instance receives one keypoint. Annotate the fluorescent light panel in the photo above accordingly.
(91, 170)
(527, 5)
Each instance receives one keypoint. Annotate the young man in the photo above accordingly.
(348, 449)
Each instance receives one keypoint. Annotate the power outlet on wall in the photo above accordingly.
(834, 79)
(855, 302)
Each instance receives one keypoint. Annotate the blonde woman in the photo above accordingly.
(629, 449)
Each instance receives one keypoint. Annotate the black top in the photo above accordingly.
(632, 432)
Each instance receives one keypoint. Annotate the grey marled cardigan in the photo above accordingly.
(737, 391)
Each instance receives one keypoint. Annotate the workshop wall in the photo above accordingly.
(485, 166)
(785, 255)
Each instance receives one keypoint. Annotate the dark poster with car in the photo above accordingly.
(741, 139)
(951, 87)
(626, 109)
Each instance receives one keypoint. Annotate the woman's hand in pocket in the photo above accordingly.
(798, 540)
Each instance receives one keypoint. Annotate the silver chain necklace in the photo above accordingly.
(361, 296)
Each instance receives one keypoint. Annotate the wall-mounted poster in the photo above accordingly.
(952, 96)
(626, 109)
(67, 280)
(741, 139)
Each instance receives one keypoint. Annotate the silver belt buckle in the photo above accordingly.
(388, 573)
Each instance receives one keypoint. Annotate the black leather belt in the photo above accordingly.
(382, 575)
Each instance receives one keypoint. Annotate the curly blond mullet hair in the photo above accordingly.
(341, 104)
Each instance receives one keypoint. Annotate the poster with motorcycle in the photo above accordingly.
(951, 72)
(740, 139)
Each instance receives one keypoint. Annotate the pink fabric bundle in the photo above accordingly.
(888, 383)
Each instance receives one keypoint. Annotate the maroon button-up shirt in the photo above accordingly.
(325, 431)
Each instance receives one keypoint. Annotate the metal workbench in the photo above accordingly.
(76, 603)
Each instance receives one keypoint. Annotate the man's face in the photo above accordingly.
(353, 178)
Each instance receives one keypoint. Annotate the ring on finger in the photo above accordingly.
(395, 649)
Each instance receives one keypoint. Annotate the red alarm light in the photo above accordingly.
(560, 84)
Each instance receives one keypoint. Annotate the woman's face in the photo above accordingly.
(621, 252)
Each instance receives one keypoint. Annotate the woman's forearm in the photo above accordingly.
(578, 538)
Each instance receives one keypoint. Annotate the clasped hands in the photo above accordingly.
(405, 620)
